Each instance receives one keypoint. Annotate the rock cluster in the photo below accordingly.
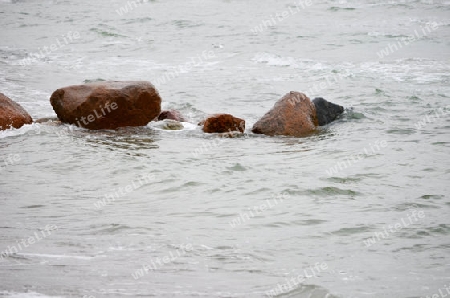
(114, 104)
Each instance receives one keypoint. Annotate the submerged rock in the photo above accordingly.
(326, 111)
(292, 115)
(108, 104)
(169, 124)
(221, 123)
(173, 115)
(52, 121)
(47, 119)
(12, 114)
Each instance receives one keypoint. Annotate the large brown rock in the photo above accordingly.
(107, 105)
(12, 114)
(221, 123)
(292, 115)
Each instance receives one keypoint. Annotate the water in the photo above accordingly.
(229, 217)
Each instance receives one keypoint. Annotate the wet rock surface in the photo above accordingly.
(221, 123)
(326, 111)
(292, 115)
(12, 114)
(108, 104)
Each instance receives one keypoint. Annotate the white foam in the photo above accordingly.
(189, 126)
(186, 126)
(274, 60)
(13, 132)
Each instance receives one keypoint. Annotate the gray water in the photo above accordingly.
(229, 217)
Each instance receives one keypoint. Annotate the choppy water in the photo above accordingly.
(230, 217)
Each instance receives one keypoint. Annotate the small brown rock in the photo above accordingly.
(222, 123)
(172, 115)
(293, 115)
(12, 114)
(47, 119)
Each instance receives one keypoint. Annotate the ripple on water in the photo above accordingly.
(351, 231)
(343, 180)
(107, 229)
(441, 229)
(412, 205)
(33, 206)
(139, 20)
(261, 190)
(399, 131)
(105, 33)
(237, 168)
(332, 191)
(278, 224)
(416, 248)
(186, 24)
(350, 114)
(309, 222)
(310, 291)
(444, 144)
(335, 8)
(432, 197)
(415, 98)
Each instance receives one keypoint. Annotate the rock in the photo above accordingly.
(173, 115)
(108, 104)
(293, 115)
(326, 111)
(169, 124)
(12, 114)
(221, 123)
(51, 121)
(47, 119)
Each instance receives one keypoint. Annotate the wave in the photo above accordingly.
(26, 295)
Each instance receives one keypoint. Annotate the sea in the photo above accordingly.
(358, 209)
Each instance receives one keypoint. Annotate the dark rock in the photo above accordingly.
(326, 111)
(293, 115)
(221, 123)
(108, 104)
(173, 115)
(12, 114)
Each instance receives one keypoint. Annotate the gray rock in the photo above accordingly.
(326, 111)
(169, 124)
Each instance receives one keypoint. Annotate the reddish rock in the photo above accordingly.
(221, 123)
(107, 105)
(12, 114)
(292, 115)
(172, 115)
